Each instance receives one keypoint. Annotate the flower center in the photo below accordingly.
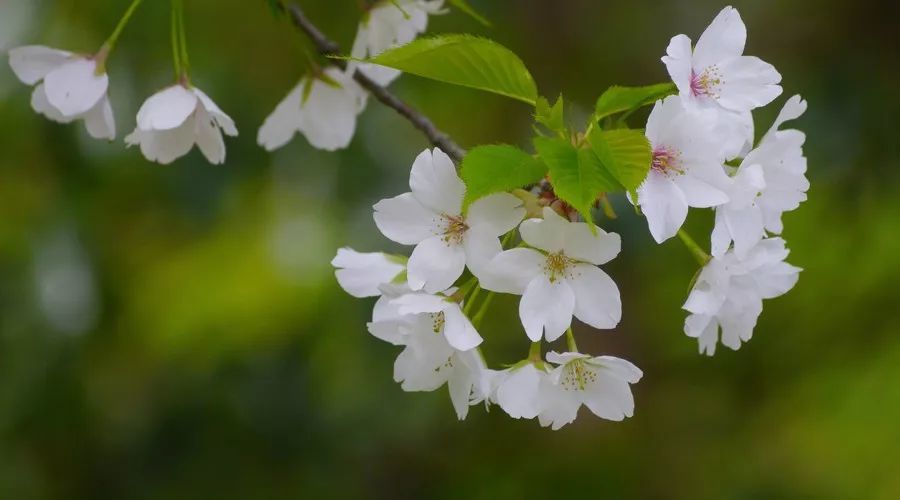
(455, 228)
(437, 322)
(557, 266)
(707, 82)
(577, 375)
(665, 160)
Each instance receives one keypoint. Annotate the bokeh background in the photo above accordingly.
(175, 332)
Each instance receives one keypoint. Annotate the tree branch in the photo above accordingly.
(328, 47)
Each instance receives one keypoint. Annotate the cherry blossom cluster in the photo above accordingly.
(323, 106)
(432, 303)
(703, 157)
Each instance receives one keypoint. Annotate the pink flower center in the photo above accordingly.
(706, 83)
(665, 160)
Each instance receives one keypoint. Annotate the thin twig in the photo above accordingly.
(328, 47)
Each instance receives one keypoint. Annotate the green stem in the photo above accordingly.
(570, 340)
(479, 315)
(176, 55)
(185, 61)
(698, 253)
(110, 42)
(534, 352)
(470, 302)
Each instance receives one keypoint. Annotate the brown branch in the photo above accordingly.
(328, 47)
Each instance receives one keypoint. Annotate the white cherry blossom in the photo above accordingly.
(322, 108)
(431, 217)
(770, 181)
(686, 169)
(171, 121)
(729, 291)
(388, 24)
(361, 274)
(439, 314)
(67, 87)
(601, 383)
(716, 72)
(518, 390)
(559, 277)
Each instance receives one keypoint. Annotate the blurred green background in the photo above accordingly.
(175, 332)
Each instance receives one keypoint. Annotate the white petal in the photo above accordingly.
(597, 300)
(678, 61)
(746, 228)
(41, 105)
(74, 88)
(32, 63)
(209, 137)
(581, 244)
(458, 330)
(329, 114)
(518, 393)
(167, 109)
(723, 38)
(481, 247)
(435, 264)
(512, 270)
(390, 331)
(747, 83)
(434, 183)
(404, 220)
(497, 213)
(459, 384)
(420, 302)
(100, 122)
(222, 120)
(609, 398)
(548, 233)
(620, 368)
(164, 146)
(360, 274)
(284, 121)
(546, 308)
(701, 192)
(663, 204)
(792, 109)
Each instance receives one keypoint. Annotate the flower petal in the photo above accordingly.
(74, 88)
(404, 220)
(481, 247)
(663, 205)
(167, 109)
(32, 63)
(597, 248)
(678, 61)
(597, 300)
(548, 233)
(498, 213)
(458, 330)
(41, 105)
(512, 270)
(518, 394)
(222, 120)
(435, 264)
(328, 117)
(360, 274)
(702, 185)
(434, 182)
(546, 308)
(747, 83)
(283, 123)
(164, 146)
(209, 137)
(100, 122)
(724, 38)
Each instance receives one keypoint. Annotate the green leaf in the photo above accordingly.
(617, 99)
(498, 168)
(464, 60)
(464, 6)
(551, 117)
(577, 175)
(624, 152)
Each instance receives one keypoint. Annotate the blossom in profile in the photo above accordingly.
(389, 23)
(322, 107)
(726, 299)
(361, 274)
(67, 87)
(171, 121)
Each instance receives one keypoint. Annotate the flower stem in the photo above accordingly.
(176, 53)
(534, 352)
(470, 302)
(110, 42)
(185, 62)
(479, 315)
(570, 340)
(698, 253)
